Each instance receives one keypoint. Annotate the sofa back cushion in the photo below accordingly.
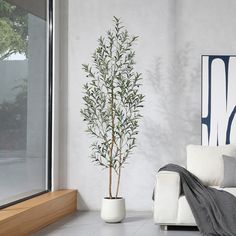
(206, 162)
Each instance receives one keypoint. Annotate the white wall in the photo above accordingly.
(173, 36)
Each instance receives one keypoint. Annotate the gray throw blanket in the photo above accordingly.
(214, 210)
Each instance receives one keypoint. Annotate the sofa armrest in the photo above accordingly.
(167, 192)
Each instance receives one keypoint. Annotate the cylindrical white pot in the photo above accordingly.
(113, 210)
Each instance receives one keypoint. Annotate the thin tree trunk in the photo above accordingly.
(112, 141)
(6, 55)
(110, 182)
(118, 181)
(119, 171)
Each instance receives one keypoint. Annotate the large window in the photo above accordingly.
(25, 98)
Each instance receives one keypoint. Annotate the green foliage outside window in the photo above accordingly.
(13, 30)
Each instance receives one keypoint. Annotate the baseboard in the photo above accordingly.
(31, 215)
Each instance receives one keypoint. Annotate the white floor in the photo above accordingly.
(90, 224)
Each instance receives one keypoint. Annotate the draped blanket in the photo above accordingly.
(214, 210)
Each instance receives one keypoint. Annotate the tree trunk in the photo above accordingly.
(112, 141)
(110, 182)
(118, 181)
(119, 171)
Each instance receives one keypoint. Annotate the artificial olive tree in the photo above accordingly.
(112, 101)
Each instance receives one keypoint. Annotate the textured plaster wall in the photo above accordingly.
(173, 36)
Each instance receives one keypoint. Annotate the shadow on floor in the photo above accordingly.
(183, 228)
(134, 219)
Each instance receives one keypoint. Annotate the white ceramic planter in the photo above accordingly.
(113, 210)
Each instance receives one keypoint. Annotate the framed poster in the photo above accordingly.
(218, 100)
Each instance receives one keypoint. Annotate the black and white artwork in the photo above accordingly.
(218, 100)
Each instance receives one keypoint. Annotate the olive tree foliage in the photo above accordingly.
(13, 30)
(112, 100)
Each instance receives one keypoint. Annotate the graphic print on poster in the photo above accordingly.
(218, 100)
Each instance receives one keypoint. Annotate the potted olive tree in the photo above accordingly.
(112, 103)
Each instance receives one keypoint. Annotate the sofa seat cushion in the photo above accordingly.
(185, 215)
(229, 190)
(206, 162)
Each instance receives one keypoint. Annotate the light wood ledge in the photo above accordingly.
(29, 216)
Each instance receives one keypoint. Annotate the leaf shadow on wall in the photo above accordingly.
(177, 109)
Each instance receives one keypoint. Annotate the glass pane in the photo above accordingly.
(23, 98)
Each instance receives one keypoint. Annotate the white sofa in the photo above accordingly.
(170, 208)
